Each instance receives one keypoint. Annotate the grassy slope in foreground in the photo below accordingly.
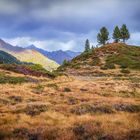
(70, 109)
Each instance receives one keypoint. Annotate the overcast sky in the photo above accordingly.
(65, 24)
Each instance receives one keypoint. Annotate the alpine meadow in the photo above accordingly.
(69, 70)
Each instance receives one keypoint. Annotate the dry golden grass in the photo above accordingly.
(71, 108)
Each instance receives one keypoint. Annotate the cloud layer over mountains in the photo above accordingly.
(65, 24)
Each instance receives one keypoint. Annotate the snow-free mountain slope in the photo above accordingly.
(28, 55)
(58, 56)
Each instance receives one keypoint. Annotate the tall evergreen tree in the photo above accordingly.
(125, 35)
(116, 34)
(87, 46)
(102, 37)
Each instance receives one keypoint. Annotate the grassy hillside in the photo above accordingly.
(10, 63)
(6, 58)
(28, 69)
(36, 58)
(111, 56)
(123, 55)
(68, 108)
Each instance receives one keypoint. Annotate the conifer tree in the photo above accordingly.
(65, 62)
(125, 35)
(102, 37)
(116, 34)
(92, 47)
(87, 46)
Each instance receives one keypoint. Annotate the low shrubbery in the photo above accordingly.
(133, 108)
(125, 71)
(4, 101)
(12, 80)
(95, 61)
(108, 109)
(72, 101)
(108, 66)
(88, 131)
(87, 108)
(4, 134)
(28, 69)
(16, 99)
(35, 109)
(38, 89)
(66, 89)
(53, 85)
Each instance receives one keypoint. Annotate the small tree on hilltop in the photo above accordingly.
(87, 46)
(102, 37)
(92, 47)
(116, 34)
(65, 62)
(125, 35)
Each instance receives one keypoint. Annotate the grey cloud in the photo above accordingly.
(66, 19)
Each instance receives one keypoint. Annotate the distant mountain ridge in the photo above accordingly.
(28, 55)
(58, 56)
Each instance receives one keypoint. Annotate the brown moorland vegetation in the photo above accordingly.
(98, 98)
(71, 108)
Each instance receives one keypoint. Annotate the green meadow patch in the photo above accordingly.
(12, 80)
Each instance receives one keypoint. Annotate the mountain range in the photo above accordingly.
(58, 56)
(28, 55)
(32, 54)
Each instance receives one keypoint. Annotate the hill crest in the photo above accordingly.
(105, 58)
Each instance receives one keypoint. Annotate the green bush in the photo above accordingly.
(66, 63)
(16, 99)
(38, 89)
(96, 61)
(123, 66)
(75, 65)
(53, 85)
(12, 80)
(126, 71)
(108, 66)
(67, 89)
(103, 68)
